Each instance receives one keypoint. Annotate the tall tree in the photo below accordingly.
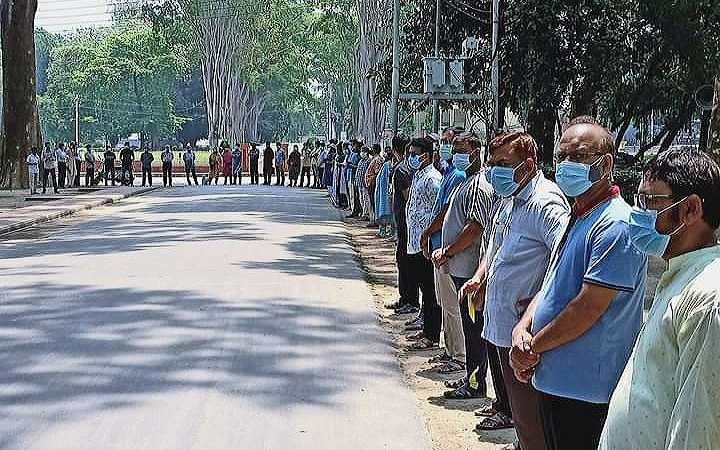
(21, 128)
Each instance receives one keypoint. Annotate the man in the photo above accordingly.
(71, 166)
(362, 167)
(401, 180)
(306, 164)
(351, 165)
(453, 358)
(268, 158)
(237, 165)
(279, 165)
(527, 226)
(254, 156)
(376, 163)
(575, 338)
(62, 158)
(146, 160)
(78, 166)
(127, 156)
(423, 192)
(49, 158)
(294, 161)
(33, 165)
(189, 162)
(89, 166)
(668, 396)
(167, 165)
(109, 165)
(314, 163)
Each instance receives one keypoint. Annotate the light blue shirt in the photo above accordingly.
(597, 251)
(452, 178)
(526, 228)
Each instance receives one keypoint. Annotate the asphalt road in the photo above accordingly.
(196, 318)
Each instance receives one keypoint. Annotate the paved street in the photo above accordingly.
(196, 318)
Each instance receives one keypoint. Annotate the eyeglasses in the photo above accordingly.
(575, 157)
(643, 200)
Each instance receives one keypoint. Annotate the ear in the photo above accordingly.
(692, 210)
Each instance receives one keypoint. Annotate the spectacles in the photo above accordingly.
(643, 200)
(574, 157)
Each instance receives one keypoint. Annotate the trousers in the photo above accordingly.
(570, 424)
(446, 293)
(421, 270)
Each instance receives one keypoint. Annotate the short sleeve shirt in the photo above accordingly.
(451, 179)
(597, 251)
(423, 193)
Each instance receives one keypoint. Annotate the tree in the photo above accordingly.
(21, 129)
(714, 133)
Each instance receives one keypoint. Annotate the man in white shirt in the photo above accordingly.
(62, 158)
(668, 396)
(33, 164)
(49, 161)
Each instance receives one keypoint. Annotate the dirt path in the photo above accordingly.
(451, 424)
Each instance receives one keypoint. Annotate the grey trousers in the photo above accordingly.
(447, 297)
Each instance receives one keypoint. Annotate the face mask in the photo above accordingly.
(414, 162)
(503, 180)
(461, 161)
(643, 234)
(574, 178)
(446, 152)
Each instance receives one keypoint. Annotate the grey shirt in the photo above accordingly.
(526, 230)
(472, 201)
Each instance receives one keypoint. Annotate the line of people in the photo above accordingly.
(542, 283)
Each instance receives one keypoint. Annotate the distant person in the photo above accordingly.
(216, 163)
(294, 161)
(89, 166)
(71, 167)
(280, 165)
(78, 166)
(33, 165)
(146, 160)
(314, 158)
(237, 165)
(49, 159)
(62, 158)
(189, 160)
(306, 164)
(127, 156)
(268, 157)
(109, 165)
(227, 166)
(254, 156)
(167, 165)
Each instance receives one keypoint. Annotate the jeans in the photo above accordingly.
(110, 173)
(280, 176)
(90, 175)
(62, 173)
(254, 173)
(167, 174)
(147, 175)
(188, 171)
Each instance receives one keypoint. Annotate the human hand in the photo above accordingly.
(522, 358)
(524, 377)
(471, 286)
(425, 246)
(439, 258)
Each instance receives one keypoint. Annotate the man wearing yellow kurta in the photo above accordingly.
(668, 396)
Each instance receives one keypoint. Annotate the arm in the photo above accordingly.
(434, 227)
(468, 235)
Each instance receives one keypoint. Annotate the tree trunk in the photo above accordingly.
(675, 126)
(713, 145)
(21, 125)
(704, 127)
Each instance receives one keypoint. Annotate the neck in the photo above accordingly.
(692, 241)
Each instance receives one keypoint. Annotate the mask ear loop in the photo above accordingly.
(682, 225)
(516, 168)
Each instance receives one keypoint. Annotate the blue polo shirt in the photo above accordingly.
(597, 251)
(452, 178)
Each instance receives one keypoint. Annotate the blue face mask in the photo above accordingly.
(643, 234)
(461, 161)
(503, 180)
(574, 178)
(446, 152)
(414, 162)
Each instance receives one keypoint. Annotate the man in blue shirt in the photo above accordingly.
(576, 336)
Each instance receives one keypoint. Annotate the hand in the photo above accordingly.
(424, 241)
(522, 358)
(439, 258)
(471, 286)
(524, 377)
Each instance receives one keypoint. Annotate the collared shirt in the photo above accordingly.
(32, 162)
(668, 396)
(362, 167)
(189, 158)
(597, 251)
(423, 192)
(526, 229)
(146, 159)
(166, 156)
(49, 158)
(61, 155)
(473, 201)
(451, 179)
(280, 157)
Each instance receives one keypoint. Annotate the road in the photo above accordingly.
(196, 318)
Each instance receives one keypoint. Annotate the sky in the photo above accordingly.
(69, 15)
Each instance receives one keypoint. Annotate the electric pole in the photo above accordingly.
(394, 105)
(77, 120)
(436, 103)
(498, 110)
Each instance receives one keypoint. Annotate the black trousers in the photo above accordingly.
(78, 166)
(188, 171)
(110, 174)
(237, 175)
(90, 175)
(303, 172)
(423, 274)
(476, 349)
(570, 424)
(407, 287)
(280, 176)
(62, 173)
(147, 175)
(167, 174)
(319, 177)
(267, 174)
(127, 174)
(47, 173)
(254, 173)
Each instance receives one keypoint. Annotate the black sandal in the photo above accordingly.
(498, 421)
(486, 411)
(464, 392)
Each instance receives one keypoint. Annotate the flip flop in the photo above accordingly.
(422, 345)
(451, 366)
(486, 411)
(462, 393)
(498, 421)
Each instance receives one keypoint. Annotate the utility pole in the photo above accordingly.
(498, 110)
(436, 103)
(77, 120)
(713, 146)
(394, 112)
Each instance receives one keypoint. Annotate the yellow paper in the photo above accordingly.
(471, 306)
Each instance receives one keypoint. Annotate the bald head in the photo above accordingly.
(591, 136)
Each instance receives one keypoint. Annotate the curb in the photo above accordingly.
(73, 210)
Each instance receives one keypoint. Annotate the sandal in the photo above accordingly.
(440, 358)
(464, 392)
(486, 411)
(454, 384)
(416, 337)
(499, 421)
(451, 366)
(422, 344)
